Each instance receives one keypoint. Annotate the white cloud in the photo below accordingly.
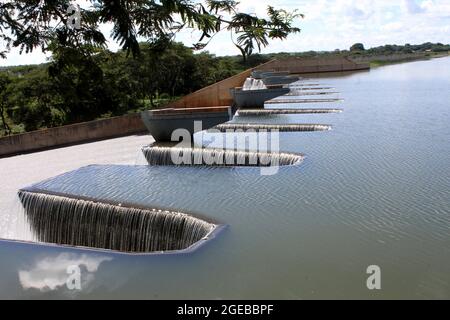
(331, 24)
(392, 27)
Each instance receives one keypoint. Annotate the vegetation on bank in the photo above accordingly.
(390, 54)
(74, 88)
(108, 84)
(84, 81)
(402, 58)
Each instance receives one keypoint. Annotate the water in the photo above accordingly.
(271, 112)
(62, 220)
(253, 84)
(299, 89)
(169, 156)
(375, 190)
(314, 93)
(289, 100)
(234, 126)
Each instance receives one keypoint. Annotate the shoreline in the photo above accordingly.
(379, 61)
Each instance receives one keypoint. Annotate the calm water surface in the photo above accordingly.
(375, 190)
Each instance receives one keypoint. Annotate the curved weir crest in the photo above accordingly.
(58, 216)
(84, 222)
(168, 156)
(263, 112)
(300, 90)
(282, 101)
(309, 93)
(230, 127)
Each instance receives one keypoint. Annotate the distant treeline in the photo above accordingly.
(74, 88)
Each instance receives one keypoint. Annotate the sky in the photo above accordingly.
(328, 25)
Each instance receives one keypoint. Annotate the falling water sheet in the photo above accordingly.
(68, 210)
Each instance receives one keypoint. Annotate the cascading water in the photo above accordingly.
(285, 101)
(157, 155)
(63, 220)
(263, 112)
(300, 90)
(253, 84)
(308, 93)
(248, 84)
(57, 217)
(301, 85)
(231, 127)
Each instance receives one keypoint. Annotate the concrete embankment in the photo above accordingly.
(299, 65)
(217, 94)
(71, 134)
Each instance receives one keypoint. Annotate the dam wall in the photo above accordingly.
(299, 65)
(71, 134)
(218, 94)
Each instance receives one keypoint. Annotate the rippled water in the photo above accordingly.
(375, 190)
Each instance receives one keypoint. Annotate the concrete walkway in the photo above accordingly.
(22, 170)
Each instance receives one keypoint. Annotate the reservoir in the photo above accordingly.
(373, 190)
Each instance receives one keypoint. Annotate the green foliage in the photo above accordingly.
(4, 82)
(252, 31)
(84, 81)
(85, 89)
(36, 23)
(75, 87)
(32, 101)
(408, 48)
(357, 47)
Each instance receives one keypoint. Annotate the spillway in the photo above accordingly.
(168, 156)
(309, 93)
(283, 101)
(67, 219)
(264, 112)
(232, 127)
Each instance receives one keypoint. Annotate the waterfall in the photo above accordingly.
(263, 112)
(247, 84)
(231, 127)
(299, 100)
(168, 156)
(253, 84)
(300, 90)
(60, 219)
(258, 85)
(310, 93)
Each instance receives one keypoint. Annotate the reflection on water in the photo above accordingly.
(52, 272)
(372, 191)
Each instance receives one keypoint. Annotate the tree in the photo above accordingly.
(83, 80)
(28, 24)
(253, 31)
(4, 82)
(80, 87)
(34, 102)
(357, 47)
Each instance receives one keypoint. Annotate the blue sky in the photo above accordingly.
(328, 25)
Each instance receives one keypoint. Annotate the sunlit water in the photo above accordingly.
(375, 190)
